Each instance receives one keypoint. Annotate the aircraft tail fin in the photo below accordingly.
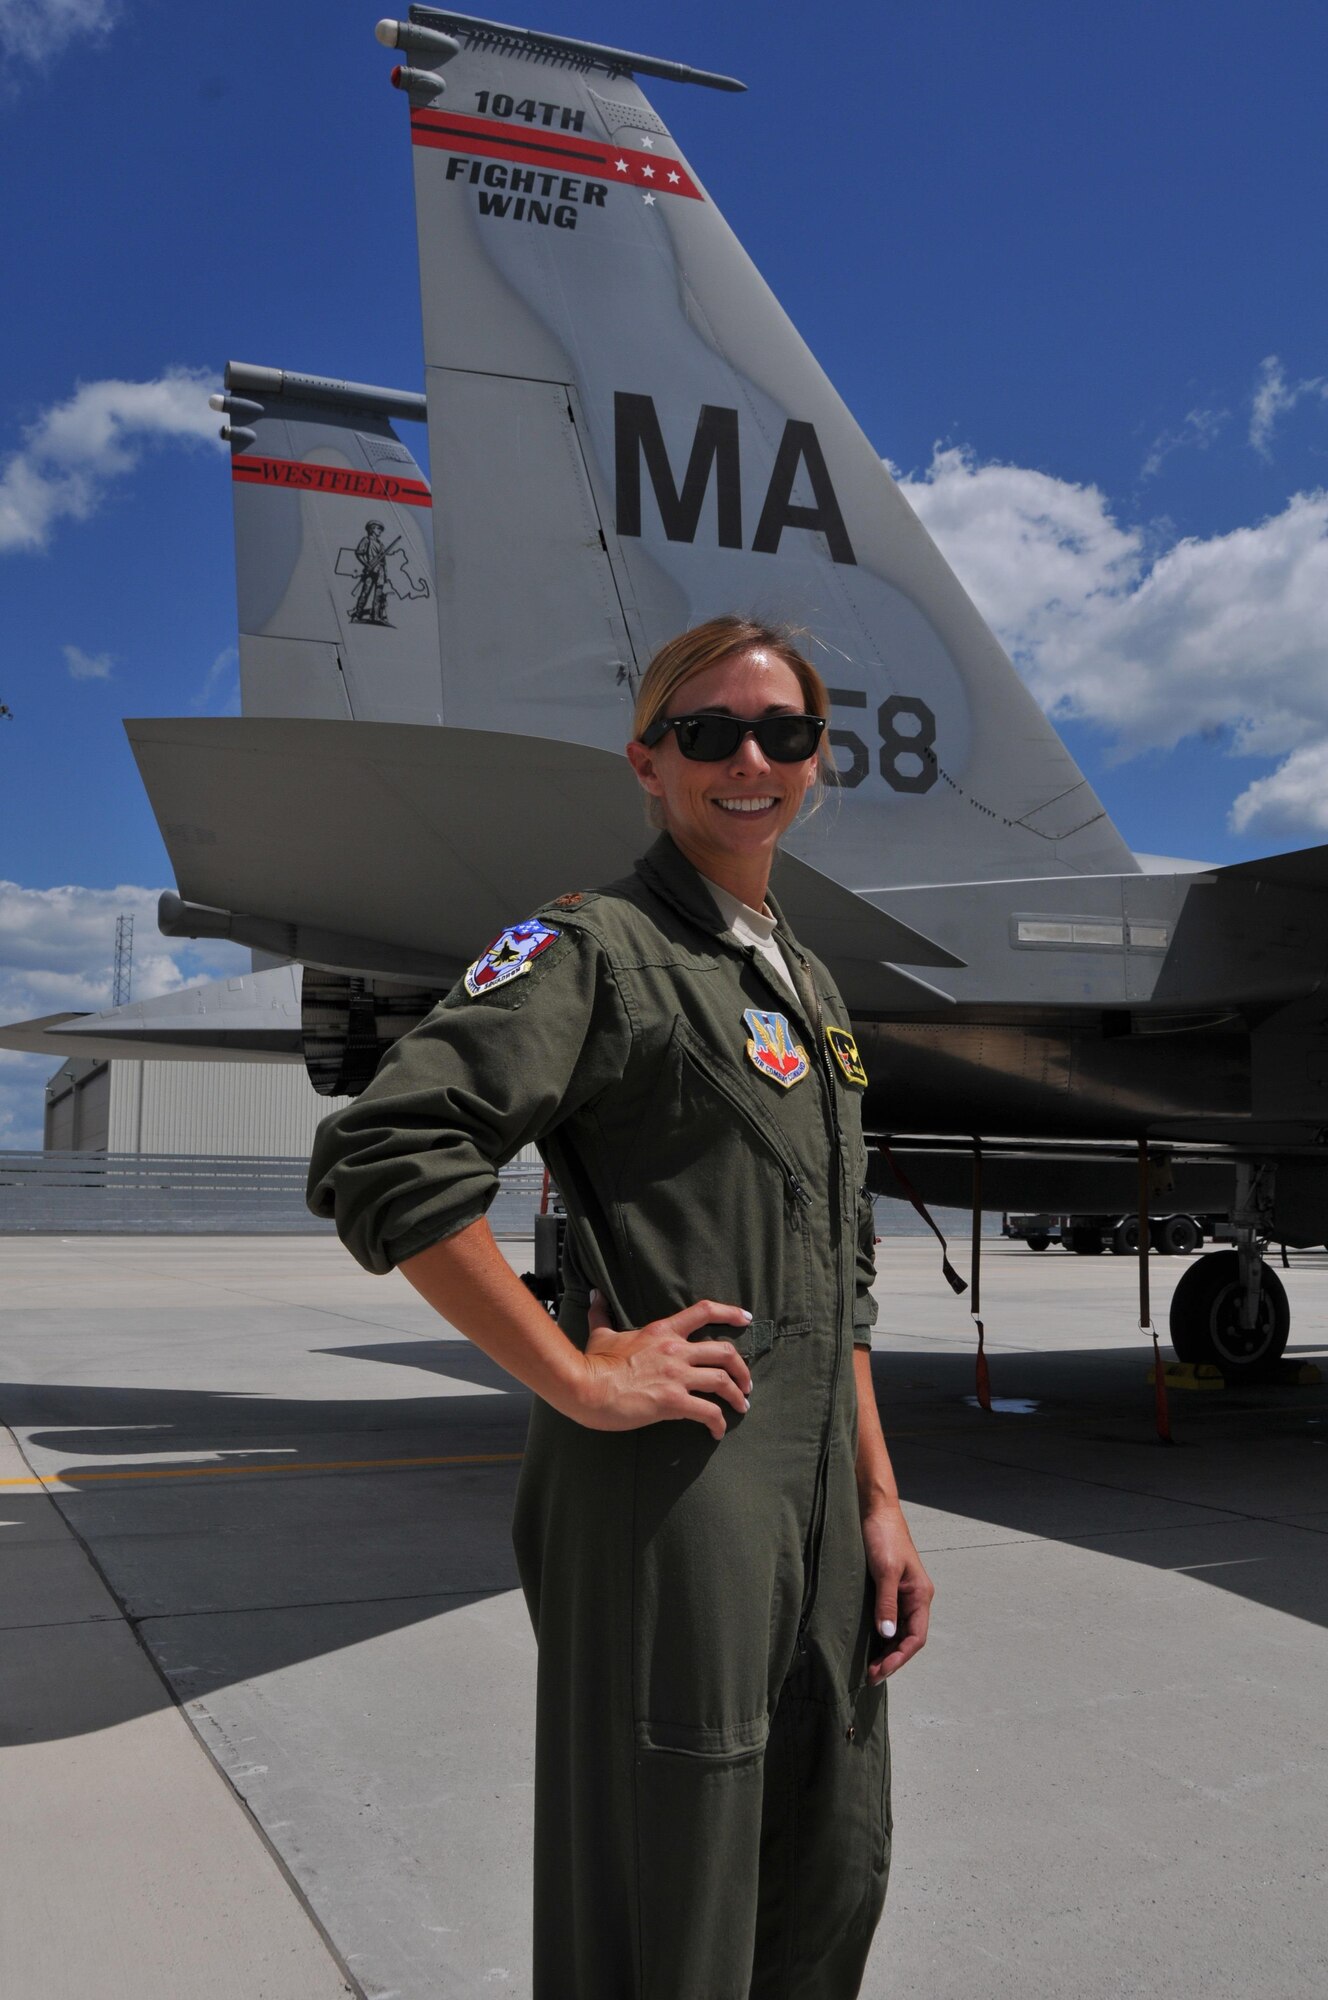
(636, 438)
(333, 552)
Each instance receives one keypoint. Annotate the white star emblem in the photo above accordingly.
(647, 173)
(649, 200)
(674, 179)
(649, 145)
(621, 166)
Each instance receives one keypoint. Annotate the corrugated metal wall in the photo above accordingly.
(249, 1110)
(233, 1110)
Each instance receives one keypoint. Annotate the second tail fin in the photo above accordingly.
(333, 550)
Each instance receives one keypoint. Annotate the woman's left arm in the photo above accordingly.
(904, 1590)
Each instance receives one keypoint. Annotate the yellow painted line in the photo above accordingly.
(232, 1471)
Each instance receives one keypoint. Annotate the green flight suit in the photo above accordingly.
(712, 1769)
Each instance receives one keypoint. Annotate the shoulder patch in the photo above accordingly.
(512, 952)
(571, 901)
(845, 1052)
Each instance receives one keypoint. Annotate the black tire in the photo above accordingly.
(1037, 1241)
(1125, 1237)
(1205, 1318)
(1180, 1236)
(1086, 1242)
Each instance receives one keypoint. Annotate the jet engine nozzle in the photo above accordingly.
(422, 82)
(238, 434)
(434, 48)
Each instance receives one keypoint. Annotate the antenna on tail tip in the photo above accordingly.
(434, 48)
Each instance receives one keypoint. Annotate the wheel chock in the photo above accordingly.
(1299, 1374)
(1190, 1375)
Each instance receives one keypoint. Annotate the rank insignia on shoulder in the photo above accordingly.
(512, 952)
(772, 1048)
(845, 1052)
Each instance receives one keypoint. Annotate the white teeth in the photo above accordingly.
(744, 805)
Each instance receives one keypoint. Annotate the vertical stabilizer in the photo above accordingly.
(635, 437)
(333, 550)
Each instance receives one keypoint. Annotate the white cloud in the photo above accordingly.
(219, 691)
(56, 953)
(1221, 635)
(98, 434)
(87, 666)
(34, 29)
(1274, 396)
(1294, 796)
(1196, 432)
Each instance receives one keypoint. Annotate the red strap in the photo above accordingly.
(975, 1267)
(1162, 1413)
(952, 1277)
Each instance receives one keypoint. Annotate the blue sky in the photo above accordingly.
(1063, 263)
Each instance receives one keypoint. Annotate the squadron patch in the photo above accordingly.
(845, 1052)
(772, 1048)
(511, 953)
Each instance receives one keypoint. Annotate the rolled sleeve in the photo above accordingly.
(416, 1157)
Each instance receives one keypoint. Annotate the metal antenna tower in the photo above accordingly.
(123, 978)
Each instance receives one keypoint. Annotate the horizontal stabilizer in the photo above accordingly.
(432, 840)
(1303, 868)
(254, 1017)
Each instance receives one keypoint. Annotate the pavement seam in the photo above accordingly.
(329, 1603)
(352, 1984)
(1107, 1486)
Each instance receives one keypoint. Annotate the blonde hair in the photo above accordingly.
(679, 660)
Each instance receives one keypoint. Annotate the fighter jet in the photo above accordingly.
(628, 435)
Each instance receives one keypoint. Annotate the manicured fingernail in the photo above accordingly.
(746, 1315)
(746, 1405)
(887, 1628)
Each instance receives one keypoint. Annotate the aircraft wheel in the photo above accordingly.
(1180, 1235)
(1086, 1242)
(1125, 1237)
(1037, 1241)
(1205, 1318)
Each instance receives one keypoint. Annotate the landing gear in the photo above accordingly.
(1125, 1237)
(1237, 1318)
(1038, 1240)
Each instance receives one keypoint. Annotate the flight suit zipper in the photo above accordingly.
(798, 1198)
(817, 1535)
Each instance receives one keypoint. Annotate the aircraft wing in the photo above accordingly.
(254, 1017)
(382, 848)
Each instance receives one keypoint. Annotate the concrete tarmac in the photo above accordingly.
(267, 1685)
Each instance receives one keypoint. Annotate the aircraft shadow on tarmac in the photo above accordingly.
(231, 1576)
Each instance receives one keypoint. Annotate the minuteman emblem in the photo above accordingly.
(772, 1048)
(509, 955)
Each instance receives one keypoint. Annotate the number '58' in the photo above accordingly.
(906, 756)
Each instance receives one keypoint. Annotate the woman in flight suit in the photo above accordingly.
(707, 1527)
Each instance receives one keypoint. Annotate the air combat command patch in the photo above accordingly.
(772, 1048)
(511, 953)
(845, 1052)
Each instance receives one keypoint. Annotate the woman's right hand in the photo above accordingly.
(655, 1372)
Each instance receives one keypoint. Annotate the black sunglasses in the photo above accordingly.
(710, 739)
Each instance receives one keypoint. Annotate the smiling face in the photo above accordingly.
(728, 817)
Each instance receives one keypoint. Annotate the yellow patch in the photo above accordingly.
(845, 1052)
